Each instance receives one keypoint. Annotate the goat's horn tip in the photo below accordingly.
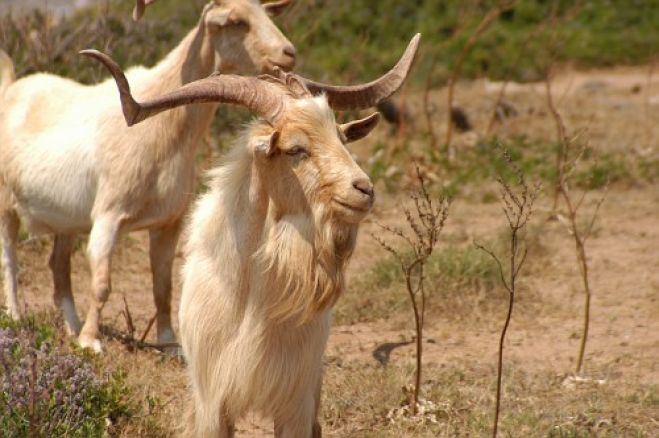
(414, 43)
(89, 52)
(98, 55)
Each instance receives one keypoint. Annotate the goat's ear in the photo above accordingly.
(359, 129)
(265, 145)
(276, 8)
(218, 16)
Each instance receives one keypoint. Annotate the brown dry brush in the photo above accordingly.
(425, 220)
(538, 30)
(569, 156)
(37, 42)
(492, 15)
(427, 107)
(553, 47)
(517, 207)
(128, 338)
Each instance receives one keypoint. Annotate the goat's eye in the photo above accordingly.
(239, 22)
(297, 151)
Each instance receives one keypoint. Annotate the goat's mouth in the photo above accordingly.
(359, 209)
(271, 65)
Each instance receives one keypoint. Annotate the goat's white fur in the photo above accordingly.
(69, 164)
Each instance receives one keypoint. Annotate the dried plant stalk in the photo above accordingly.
(425, 221)
(566, 164)
(517, 207)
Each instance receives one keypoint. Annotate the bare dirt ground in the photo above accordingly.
(619, 108)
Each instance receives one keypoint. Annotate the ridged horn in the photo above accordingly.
(253, 93)
(370, 94)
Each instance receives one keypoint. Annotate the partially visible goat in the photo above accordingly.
(69, 164)
(269, 243)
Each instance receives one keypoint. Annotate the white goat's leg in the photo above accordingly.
(162, 250)
(317, 430)
(298, 424)
(206, 424)
(99, 250)
(9, 225)
(60, 265)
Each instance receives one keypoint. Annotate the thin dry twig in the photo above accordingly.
(148, 327)
(132, 343)
(128, 318)
(128, 338)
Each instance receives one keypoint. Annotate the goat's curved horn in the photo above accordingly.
(368, 95)
(140, 6)
(253, 93)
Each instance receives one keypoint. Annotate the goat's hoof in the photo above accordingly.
(14, 314)
(175, 352)
(72, 329)
(91, 343)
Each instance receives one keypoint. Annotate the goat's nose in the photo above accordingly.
(364, 185)
(289, 50)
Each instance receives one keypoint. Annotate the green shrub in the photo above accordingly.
(52, 390)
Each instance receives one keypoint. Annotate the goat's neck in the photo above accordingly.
(192, 59)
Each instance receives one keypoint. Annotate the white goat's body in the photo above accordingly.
(54, 155)
(69, 164)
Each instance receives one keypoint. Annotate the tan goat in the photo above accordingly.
(69, 164)
(268, 245)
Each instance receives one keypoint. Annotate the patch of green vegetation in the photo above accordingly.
(485, 163)
(330, 35)
(42, 326)
(537, 160)
(606, 169)
(49, 387)
(455, 276)
(648, 169)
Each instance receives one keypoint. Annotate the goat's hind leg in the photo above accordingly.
(9, 225)
(60, 265)
(162, 250)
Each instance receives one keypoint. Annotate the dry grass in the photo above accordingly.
(358, 398)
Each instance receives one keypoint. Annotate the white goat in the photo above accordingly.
(69, 164)
(268, 244)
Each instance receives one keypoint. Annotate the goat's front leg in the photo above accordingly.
(9, 225)
(162, 251)
(60, 266)
(207, 424)
(99, 251)
(299, 423)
